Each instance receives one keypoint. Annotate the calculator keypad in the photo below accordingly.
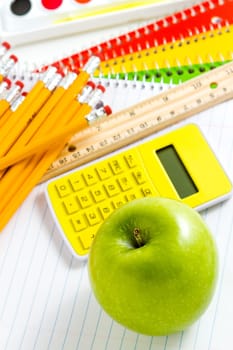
(83, 199)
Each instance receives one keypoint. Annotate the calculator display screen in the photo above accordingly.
(176, 171)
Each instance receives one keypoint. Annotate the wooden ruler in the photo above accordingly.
(145, 118)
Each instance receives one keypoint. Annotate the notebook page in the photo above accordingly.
(45, 297)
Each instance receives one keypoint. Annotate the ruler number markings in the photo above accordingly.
(146, 117)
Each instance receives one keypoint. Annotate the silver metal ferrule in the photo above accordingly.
(48, 74)
(85, 94)
(3, 70)
(3, 87)
(8, 65)
(4, 94)
(1, 62)
(16, 102)
(96, 115)
(12, 93)
(91, 117)
(3, 50)
(94, 97)
(92, 64)
(53, 82)
(67, 80)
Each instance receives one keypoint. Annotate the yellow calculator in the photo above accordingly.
(178, 164)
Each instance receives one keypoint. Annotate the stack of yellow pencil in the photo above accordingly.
(35, 127)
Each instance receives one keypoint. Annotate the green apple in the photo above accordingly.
(153, 266)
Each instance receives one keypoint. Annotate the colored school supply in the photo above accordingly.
(54, 138)
(25, 20)
(19, 120)
(9, 95)
(25, 175)
(195, 41)
(174, 75)
(81, 200)
(200, 18)
(47, 301)
(17, 181)
(145, 118)
(201, 48)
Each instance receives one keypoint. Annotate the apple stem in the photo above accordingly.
(138, 237)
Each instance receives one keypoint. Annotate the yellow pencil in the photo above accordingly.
(54, 121)
(76, 86)
(13, 107)
(56, 107)
(16, 179)
(38, 166)
(33, 170)
(10, 94)
(44, 144)
(43, 116)
(4, 88)
(43, 123)
(22, 117)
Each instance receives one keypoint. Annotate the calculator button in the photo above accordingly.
(98, 194)
(93, 216)
(104, 172)
(63, 188)
(139, 177)
(111, 187)
(105, 209)
(148, 191)
(130, 196)
(79, 223)
(117, 166)
(131, 160)
(118, 202)
(90, 177)
(84, 199)
(77, 182)
(86, 241)
(71, 205)
(125, 183)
